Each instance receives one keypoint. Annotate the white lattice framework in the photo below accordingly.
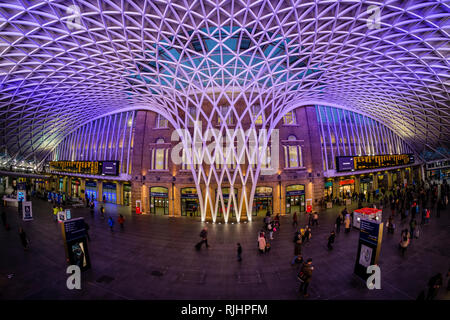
(166, 55)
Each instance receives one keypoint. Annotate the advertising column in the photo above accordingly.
(369, 246)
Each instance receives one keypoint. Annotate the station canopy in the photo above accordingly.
(65, 63)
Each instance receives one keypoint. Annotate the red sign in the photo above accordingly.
(350, 181)
(308, 208)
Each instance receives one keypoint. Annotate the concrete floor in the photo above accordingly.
(154, 258)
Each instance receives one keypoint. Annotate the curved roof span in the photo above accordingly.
(63, 63)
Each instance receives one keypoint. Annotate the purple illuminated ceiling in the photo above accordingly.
(62, 65)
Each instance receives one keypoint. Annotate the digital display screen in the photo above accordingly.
(352, 163)
(110, 168)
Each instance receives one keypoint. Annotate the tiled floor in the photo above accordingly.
(154, 258)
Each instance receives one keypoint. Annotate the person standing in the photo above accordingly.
(55, 213)
(427, 216)
(297, 250)
(294, 219)
(331, 239)
(23, 238)
(121, 220)
(270, 227)
(338, 223)
(305, 277)
(404, 241)
(111, 223)
(347, 223)
(315, 220)
(239, 252)
(102, 212)
(86, 227)
(91, 205)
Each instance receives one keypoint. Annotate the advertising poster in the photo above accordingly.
(369, 246)
(75, 243)
(27, 212)
(61, 216)
(365, 255)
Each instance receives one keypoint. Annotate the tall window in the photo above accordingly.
(289, 118)
(258, 116)
(161, 122)
(192, 112)
(293, 153)
(159, 156)
(228, 117)
(264, 158)
(186, 160)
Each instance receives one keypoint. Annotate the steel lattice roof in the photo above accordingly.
(56, 74)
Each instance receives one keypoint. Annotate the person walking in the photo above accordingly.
(434, 284)
(315, 220)
(404, 241)
(102, 212)
(305, 277)
(270, 227)
(111, 223)
(412, 227)
(121, 220)
(24, 239)
(204, 237)
(262, 244)
(294, 219)
(239, 252)
(427, 216)
(331, 239)
(338, 223)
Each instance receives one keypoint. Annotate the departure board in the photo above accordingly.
(110, 168)
(354, 163)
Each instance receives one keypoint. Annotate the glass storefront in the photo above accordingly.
(159, 200)
(295, 198)
(263, 201)
(189, 202)
(91, 190)
(75, 188)
(226, 197)
(109, 192)
(126, 194)
(365, 184)
(328, 190)
(346, 188)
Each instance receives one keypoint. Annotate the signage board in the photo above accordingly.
(110, 168)
(20, 195)
(75, 243)
(369, 246)
(27, 211)
(354, 163)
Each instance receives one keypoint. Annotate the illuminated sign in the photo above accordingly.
(110, 168)
(353, 163)
(345, 182)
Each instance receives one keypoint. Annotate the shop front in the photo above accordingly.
(159, 201)
(328, 190)
(109, 192)
(126, 194)
(346, 188)
(365, 184)
(75, 188)
(262, 201)
(226, 198)
(383, 183)
(190, 205)
(91, 190)
(295, 198)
